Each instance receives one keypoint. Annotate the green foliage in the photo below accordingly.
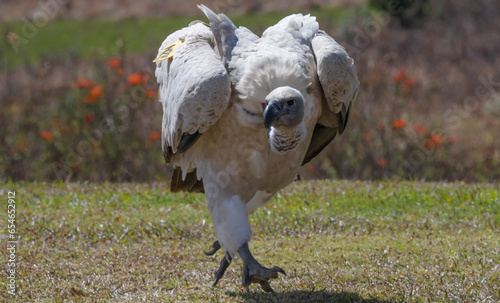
(406, 11)
(93, 129)
(105, 38)
(83, 39)
(338, 242)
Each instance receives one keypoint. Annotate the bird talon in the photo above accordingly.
(254, 272)
(224, 264)
(216, 246)
(266, 286)
(277, 269)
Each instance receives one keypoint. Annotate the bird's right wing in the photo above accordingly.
(194, 87)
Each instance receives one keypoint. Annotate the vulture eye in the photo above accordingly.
(290, 102)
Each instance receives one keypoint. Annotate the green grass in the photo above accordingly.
(103, 38)
(338, 242)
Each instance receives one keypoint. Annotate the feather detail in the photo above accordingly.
(283, 140)
(224, 32)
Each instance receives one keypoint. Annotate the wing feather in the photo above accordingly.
(339, 82)
(338, 78)
(194, 87)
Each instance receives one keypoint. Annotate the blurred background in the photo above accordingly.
(78, 96)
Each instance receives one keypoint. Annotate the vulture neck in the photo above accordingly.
(284, 139)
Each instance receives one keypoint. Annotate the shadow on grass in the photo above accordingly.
(303, 296)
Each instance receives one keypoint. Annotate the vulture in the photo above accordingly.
(243, 113)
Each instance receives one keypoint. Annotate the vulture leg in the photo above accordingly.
(215, 246)
(253, 272)
(224, 264)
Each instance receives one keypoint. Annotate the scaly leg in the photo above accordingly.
(224, 264)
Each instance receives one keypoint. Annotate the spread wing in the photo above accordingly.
(194, 88)
(339, 81)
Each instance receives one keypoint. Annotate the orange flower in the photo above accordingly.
(114, 63)
(12, 37)
(428, 145)
(433, 141)
(409, 83)
(134, 79)
(82, 83)
(145, 78)
(419, 128)
(398, 124)
(46, 135)
(89, 117)
(436, 139)
(399, 76)
(150, 93)
(153, 136)
(382, 162)
(94, 94)
(96, 91)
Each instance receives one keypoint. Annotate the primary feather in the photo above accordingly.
(214, 92)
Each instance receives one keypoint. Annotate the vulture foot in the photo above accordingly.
(253, 272)
(224, 264)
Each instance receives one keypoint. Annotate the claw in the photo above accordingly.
(216, 247)
(224, 264)
(278, 270)
(253, 272)
(266, 286)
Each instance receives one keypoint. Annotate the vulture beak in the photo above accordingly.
(272, 113)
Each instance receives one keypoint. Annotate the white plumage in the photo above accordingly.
(242, 114)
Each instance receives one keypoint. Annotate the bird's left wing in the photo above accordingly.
(338, 78)
(339, 82)
(194, 86)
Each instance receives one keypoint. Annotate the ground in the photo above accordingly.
(342, 241)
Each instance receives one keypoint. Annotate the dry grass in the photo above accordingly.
(338, 241)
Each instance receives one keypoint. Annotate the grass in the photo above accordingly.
(104, 38)
(338, 241)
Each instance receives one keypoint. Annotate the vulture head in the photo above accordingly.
(283, 118)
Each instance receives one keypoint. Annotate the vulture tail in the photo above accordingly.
(190, 184)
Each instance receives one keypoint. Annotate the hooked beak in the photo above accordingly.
(272, 113)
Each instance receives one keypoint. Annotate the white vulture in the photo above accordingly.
(242, 114)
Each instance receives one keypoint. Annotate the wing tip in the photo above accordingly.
(211, 15)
